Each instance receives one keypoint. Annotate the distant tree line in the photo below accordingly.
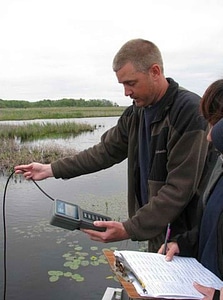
(57, 103)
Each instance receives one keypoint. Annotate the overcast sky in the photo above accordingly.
(53, 49)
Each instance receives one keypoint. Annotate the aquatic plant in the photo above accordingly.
(31, 131)
(12, 153)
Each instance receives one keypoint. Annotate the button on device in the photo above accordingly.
(85, 215)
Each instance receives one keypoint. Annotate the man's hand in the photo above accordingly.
(115, 231)
(172, 249)
(35, 171)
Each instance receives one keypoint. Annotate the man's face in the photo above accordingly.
(137, 85)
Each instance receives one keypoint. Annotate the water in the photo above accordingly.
(80, 142)
(45, 262)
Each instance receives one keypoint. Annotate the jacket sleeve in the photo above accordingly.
(112, 149)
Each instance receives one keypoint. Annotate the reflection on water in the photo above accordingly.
(45, 262)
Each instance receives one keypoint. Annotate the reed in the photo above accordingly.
(12, 153)
(42, 130)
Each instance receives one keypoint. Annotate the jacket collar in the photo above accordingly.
(167, 100)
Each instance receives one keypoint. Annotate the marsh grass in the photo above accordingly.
(28, 132)
(12, 154)
(58, 112)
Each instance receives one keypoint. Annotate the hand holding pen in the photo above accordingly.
(169, 248)
(168, 230)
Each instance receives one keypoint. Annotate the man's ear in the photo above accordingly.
(155, 70)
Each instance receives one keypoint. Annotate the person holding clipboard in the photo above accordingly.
(205, 241)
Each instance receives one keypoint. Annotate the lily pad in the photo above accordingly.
(53, 278)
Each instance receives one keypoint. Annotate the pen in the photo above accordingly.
(143, 286)
(139, 281)
(166, 238)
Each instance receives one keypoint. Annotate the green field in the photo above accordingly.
(58, 112)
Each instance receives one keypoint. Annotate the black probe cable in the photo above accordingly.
(5, 233)
(5, 236)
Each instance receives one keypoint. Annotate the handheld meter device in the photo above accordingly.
(70, 216)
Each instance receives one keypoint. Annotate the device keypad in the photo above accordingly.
(93, 217)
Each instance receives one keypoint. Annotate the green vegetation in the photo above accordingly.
(12, 153)
(57, 103)
(58, 113)
(28, 132)
(78, 255)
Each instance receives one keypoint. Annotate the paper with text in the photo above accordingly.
(173, 279)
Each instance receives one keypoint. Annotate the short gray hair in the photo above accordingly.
(141, 53)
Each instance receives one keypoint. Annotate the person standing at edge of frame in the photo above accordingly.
(163, 136)
(205, 240)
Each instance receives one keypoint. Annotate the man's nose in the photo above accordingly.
(128, 91)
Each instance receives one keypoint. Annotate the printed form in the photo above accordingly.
(153, 276)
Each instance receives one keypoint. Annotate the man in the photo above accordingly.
(164, 138)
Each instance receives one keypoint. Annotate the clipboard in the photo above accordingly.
(128, 286)
(147, 266)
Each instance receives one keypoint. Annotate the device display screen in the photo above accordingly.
(67, 209)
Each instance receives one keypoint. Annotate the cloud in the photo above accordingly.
(57, 49)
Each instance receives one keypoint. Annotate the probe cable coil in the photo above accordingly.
(5, 231)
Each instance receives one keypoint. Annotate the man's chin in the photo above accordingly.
(139, 103)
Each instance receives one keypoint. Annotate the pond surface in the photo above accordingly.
(45, 262)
